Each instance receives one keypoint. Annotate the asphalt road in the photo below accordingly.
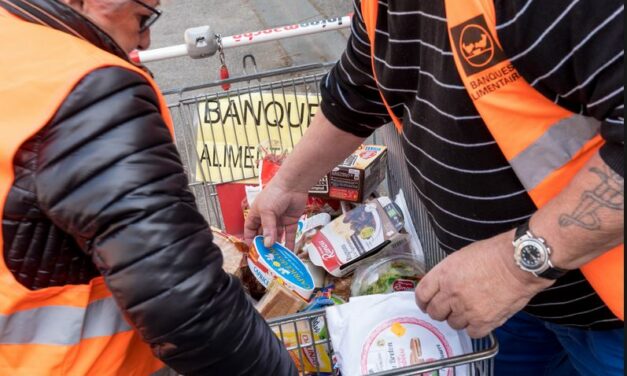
(236, 17)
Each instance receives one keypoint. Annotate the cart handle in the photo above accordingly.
(200, 42)
(459, 360)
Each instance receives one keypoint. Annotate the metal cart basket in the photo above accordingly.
(218, 127)
(479, 361)
(218, 131)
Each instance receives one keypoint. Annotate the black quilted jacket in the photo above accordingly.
(101, 190)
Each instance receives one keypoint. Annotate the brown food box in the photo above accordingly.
(356, 178)
(278, 301)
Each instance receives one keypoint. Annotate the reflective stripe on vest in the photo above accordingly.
(72, 329)
(56, 325)
(545, 144)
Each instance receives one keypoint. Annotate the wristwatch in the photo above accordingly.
(533, 255)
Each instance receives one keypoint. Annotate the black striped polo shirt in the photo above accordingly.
(570, 50)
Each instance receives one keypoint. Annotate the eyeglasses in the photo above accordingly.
(147, 21)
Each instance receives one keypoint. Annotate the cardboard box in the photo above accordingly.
(279, 301)
(357, 177)
(342, 245)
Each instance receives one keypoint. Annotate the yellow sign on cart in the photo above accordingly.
(233, 132)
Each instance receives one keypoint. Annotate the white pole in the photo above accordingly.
(159, 54)
(250, 38)
(286, 32)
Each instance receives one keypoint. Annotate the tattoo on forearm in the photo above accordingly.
(610, 194)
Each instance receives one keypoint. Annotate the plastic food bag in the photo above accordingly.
(377, 333)
(269, 165)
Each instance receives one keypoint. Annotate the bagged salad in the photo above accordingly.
(388, 274)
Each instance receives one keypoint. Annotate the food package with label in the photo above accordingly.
(319, 274)
(233, 250)
(316, 205)
(357, 177)
(354, 237)
(281, 264)
(323, 298)
(341, 285)
(306, 229)
(279, 301)
(392, 273)
(307, 343)
(379, 333)
(234, 254)
(269, 165)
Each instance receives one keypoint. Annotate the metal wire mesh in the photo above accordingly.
(221, 133)
(209, 122)
(398, 178)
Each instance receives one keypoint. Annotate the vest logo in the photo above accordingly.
(476, 46)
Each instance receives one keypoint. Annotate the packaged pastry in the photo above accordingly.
(377, 333)
(356, 236)
(233, 250)
(234, 253)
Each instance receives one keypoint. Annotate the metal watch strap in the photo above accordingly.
(552, 272)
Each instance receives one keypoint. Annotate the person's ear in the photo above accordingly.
(75, 4)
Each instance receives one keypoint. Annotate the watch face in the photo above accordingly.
(532, 256)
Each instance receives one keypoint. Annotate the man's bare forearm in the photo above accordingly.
(322, 148)
(586, 219)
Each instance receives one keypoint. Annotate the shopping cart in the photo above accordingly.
(477, 363)
(218, 133)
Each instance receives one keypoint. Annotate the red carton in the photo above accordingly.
(356, 178)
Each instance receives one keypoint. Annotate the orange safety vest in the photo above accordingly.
(504, 98)
(72, 329)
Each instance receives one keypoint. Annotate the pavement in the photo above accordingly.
(237, 17)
